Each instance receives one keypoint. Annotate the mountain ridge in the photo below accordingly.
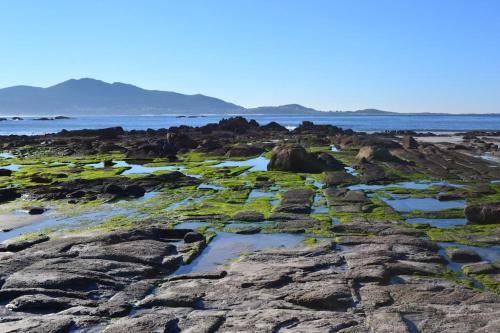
(87, 96)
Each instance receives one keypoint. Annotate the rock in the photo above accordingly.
(181, 141)
(5, 172)
(237, 125)
(462, 255)
(134, 191)
(448, 196)
(249, 216)
(486, 213)
(409, 142)
(108, 163)
(483, 267)
(295, 158)
(330, 161)
(248, 231)
(297, 200)
(8, 194)
(36, 210)
(35, 324)
(24, 244)
(32, 303)
(142, 323)
(244, 151)
(153, 150)
(371, 153)
(335, 178)
(40, 180)
(274, 126)
(192, 237)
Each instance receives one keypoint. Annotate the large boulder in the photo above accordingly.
(295, 158)
(486, 213)
(374, 153)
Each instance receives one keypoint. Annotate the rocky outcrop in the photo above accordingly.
(487, 213)
(295, 158)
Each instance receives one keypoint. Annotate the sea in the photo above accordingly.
(365, 123)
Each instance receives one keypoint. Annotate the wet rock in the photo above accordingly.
(40, 180)
(5, 172)
(108, 163)
(24, 244)
(8, 194)
(483, 267)
(487, 213)
(192, 237)
(462, 255)
(36, 210)
(296, 201)
(134, 191)
(371, 173)
(335, 178)
(249, 216)
(247, 231)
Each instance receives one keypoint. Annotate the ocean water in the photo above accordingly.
(436, 123)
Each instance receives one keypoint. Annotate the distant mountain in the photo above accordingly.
(89, 96)
(93, 97)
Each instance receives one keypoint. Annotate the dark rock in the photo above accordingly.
(134, 191)
(108, 163)
(462, 255)
(8, 194)
(36, 210)
(249, 216)
(487, 213)
(181, 141)
(274, 126)
(5, 172)
(40, 180)
(295, 158)
(192, 237)
(21, 245)
(244, 151)
(248, 231)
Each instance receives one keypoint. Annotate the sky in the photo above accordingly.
(399, 55)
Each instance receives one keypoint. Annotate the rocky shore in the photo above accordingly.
(243, 227)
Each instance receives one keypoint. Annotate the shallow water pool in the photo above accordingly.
(256, 164)
(226, 246)
(438, 223)
(423, 204)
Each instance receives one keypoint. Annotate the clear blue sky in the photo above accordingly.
(399, 55)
